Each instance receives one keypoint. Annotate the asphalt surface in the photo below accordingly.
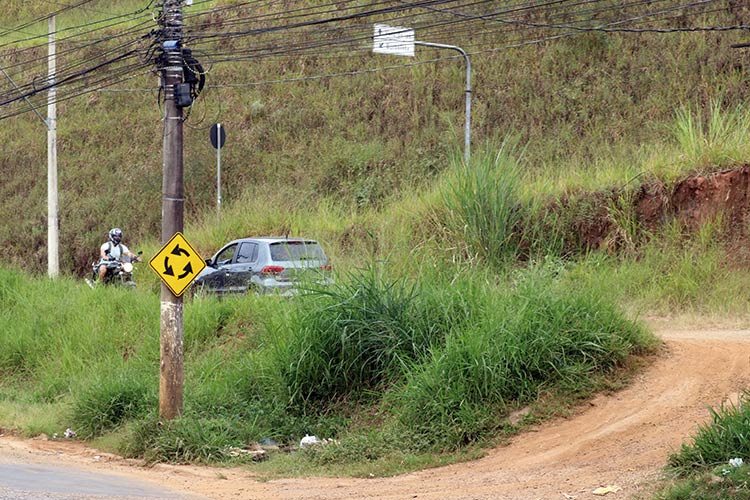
(45, 482)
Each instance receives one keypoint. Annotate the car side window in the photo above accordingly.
(225, 256)
(248, 253)
(279, 251)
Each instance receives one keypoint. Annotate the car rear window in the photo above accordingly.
(296, 250)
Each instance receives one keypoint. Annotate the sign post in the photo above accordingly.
(400, 41)
(218, 137)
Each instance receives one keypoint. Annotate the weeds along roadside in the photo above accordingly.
(713, 462)
(428, 320)
(263, 368)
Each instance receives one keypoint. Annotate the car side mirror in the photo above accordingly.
(210, 263)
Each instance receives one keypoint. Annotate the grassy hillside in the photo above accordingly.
(464, 291)
(589, 111)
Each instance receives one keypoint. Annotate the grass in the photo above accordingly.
(463, 289)
(266, 368)
(483, 203)
(714, 139)
(713, 464)
(716, 442)
(586, 123)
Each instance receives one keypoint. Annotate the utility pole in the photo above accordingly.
(171, 378)
(53, 261)
(53, 248)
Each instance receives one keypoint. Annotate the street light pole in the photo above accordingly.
(400, 41)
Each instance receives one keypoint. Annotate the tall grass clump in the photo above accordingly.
(716, 140)
(539, 338)
(484, 203)
(60, 331)
(363, 333)
(674, 271)
(717, 441)
(112, 400)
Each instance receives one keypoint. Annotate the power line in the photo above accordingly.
(307, 48)
(100, 23)
(346, 31)
(45, 17)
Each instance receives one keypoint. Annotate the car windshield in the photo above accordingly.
(296, 250)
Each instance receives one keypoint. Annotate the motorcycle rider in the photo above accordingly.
(113, 249)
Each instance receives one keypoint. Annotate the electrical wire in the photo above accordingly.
(307, 48)
(335, 29)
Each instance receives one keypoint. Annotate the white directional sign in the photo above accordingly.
(393, 40)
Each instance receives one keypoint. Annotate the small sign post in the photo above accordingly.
(218, 137)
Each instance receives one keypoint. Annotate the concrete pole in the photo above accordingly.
(171, 380)
(53, 258)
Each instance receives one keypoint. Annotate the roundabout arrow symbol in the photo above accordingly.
(180, 251)
(188, 270)
(179, 267)
(167, 268)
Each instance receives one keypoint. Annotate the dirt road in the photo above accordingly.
(620, 440)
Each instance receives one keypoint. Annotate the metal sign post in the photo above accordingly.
(400, 41)
(218, 137)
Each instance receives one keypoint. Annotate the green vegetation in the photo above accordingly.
(712, 465)
(590, 113)
(444, 359)
(464, 292)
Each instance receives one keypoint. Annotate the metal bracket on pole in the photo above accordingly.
(467, 129)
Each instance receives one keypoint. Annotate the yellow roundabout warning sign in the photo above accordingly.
(177, 264)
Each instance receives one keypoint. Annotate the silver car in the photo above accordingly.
(265, 265)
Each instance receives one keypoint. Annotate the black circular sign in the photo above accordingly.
(216, 140)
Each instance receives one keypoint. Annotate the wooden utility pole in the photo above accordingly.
(171, 337)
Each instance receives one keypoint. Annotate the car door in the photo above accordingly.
(220, 279)
(242, 268)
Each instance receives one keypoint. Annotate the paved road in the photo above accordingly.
(47, 482)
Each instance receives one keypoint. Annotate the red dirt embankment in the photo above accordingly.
(691, 202)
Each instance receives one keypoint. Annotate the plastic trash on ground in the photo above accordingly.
(309, 440)
(606, 489)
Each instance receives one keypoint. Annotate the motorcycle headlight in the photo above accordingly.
(127, 267)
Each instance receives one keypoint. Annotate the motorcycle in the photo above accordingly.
(119, 271)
